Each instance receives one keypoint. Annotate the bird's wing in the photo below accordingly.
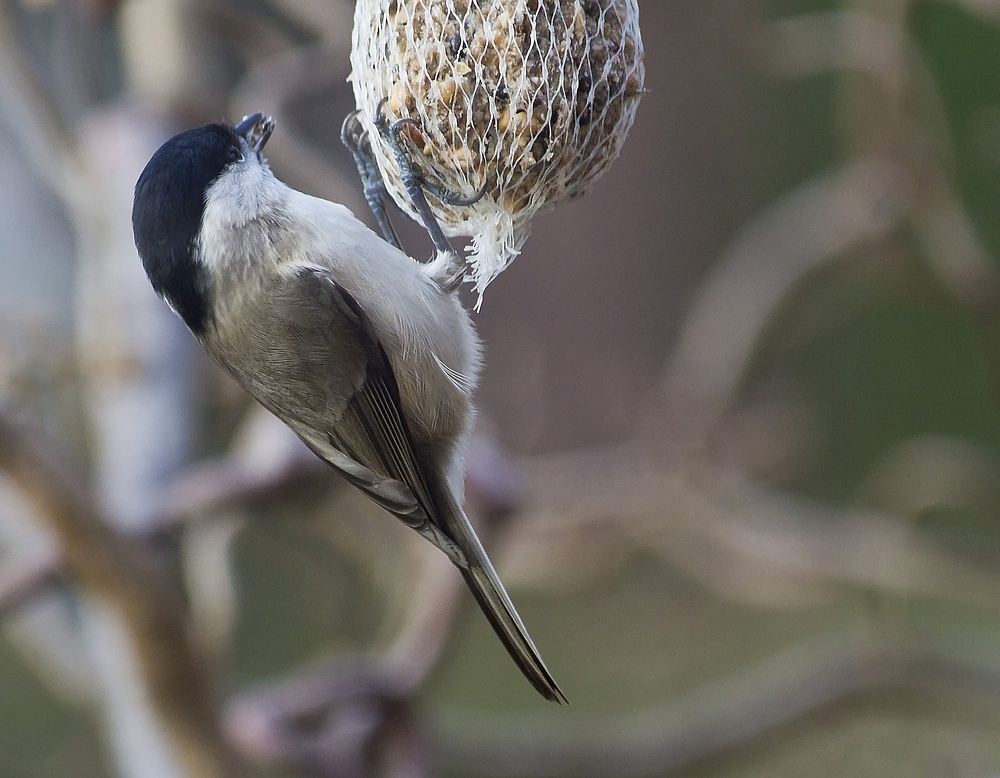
(315, 341)
(309, 337)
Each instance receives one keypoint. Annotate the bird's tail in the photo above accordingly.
(498, 609)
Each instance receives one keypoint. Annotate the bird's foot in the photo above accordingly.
(415, 181)
(355, 138)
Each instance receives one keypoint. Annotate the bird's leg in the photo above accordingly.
(355, 138)
(415, 181)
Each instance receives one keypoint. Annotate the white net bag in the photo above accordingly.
(530, 98)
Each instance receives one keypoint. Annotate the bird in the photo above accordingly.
(362, 351)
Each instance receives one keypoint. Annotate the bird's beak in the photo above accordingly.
(255, 130)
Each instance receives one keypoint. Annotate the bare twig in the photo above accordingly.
(348, 721)
(265, 464)
(264, 461)
(862, 39)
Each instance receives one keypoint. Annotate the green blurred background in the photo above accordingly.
(749, 386)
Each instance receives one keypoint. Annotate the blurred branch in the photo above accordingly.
(217, 485)
(353, 720)
(826, 41)
(817, 221)
(745, 541)
(697, 724)
(900, 175)
(20, 580)
(987, 10)
(343, 722)
(264, 461)
(874, 38)
(955, 251)
(30, 113)
(710, 719)
(754, 544)
(115, 573)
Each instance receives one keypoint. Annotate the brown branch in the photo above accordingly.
(282, 722)
(356, 719)
(115, 573)
(345, 721)
(213, 486)
(203, 491)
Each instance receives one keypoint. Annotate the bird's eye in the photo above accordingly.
(233, 154)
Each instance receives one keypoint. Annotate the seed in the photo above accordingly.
(448, 89)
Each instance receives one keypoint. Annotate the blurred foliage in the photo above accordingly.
(960, 50)
(43, 737)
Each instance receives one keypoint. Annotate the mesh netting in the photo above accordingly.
(532, 98)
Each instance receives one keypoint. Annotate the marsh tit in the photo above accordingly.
(361, 350)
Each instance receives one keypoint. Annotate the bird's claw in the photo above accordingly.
(414, 182)
(355, 138)
(393, 134)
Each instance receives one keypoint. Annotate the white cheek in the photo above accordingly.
(242, 195)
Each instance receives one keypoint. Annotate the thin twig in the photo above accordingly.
(213, 486)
